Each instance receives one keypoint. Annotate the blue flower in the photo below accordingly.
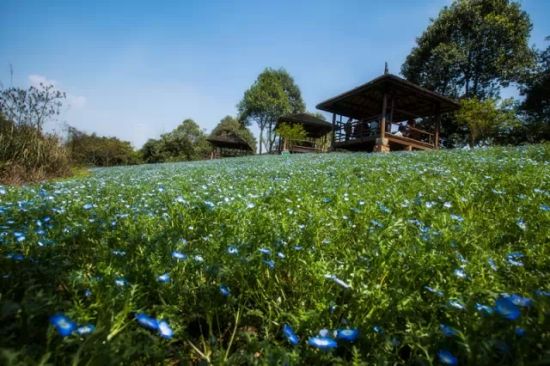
(434, 291)
(506, 308)
(338, 281)
(519, 300)
(290, 335)
(322, 342)
(542, 293)
(87, 206)
(447, 358)
(16, 257)
(164, 329)
(164, 278)
(178, 255)
(457, 218)
(514, 258)
(63, 324)
(224, 290)
(2, 190)
(121, 281)
(19, 236)
(521, 224)
(519, 331)
(265, 251)
(492, 264)
(147, 321)
(544, 207)
(119, 253)
(280, 255)
(348, 335)
(460, 273)
(270, 263)
(456, 304)
(85, 329)
(87, 292)
(448, 331)
(484, 309)
(378, 329)
(199, 258)
(233, 250)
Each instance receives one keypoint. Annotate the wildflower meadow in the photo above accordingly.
(428, 258)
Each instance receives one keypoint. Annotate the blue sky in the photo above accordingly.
(136, 69)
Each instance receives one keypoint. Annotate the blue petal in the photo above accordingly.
(147, 321)
(506, 308)
(85, 329)
(164, 329)
(448, 331)
(290, 335)
(484, 309)
(520, 332)
(178, 255)
(322, 342)
(164, 278)
(447, 358)
(63, 324)
(224, 290)
(349, 335)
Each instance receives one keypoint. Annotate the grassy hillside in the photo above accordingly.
(422, 257)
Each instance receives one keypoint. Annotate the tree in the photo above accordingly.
(537, 99)
(185, 142)
(290, 133)
(485, 119)
(272, 95)
(473, 48)
(98, 150)
(33, 106)
(230, 125)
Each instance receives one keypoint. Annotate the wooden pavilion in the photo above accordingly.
(229, 144)
(317, 133)
(381, 115)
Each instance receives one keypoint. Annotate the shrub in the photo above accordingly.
(28, 155)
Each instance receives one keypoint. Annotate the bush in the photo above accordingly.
(27, 155)
(99, 150)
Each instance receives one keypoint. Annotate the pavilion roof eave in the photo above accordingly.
(366, 99)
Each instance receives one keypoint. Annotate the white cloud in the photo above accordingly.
(73, 101)
(36, 80)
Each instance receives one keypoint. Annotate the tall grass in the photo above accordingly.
(27, 155)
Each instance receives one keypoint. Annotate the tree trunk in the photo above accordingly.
(261, 138)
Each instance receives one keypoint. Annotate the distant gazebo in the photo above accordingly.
(317, 133)
(229, 144)
(381, 115)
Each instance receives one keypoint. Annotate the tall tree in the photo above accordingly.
(537, 99)
(185, 142)
(232, 125)
(272, 95)
(472, 48)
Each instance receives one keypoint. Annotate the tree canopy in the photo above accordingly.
(472, 48)
(272, 95)
(231, 125)
(185, 142)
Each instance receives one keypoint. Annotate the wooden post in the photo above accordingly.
(437, 125)
(381, 142)
(333, 131)
(383, 119)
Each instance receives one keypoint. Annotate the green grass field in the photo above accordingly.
(412, 258)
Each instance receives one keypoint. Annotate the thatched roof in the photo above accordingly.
(314, 127)
(410, 100)
(229, 141)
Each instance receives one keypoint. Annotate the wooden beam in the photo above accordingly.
(437, 124)
(333, 131)
(383, 119)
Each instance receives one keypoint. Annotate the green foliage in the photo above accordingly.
(485, 119)
(86, 149)
(291, 132)
(386, 225)
(26, 153)
(186, 142)
(472, 49)
(272, 95)
(230, 125)
(31, 107)
(537, 100)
